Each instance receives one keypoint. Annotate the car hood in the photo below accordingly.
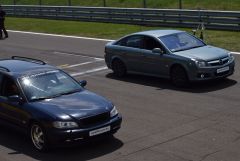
(76, 105)
(206, 53)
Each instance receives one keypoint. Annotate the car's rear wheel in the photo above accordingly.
(179, 76)
(119, 68)
(38, 137)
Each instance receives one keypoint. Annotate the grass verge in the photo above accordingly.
(225, 39)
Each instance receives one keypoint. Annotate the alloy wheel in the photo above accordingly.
(37, 136)
(179, 77)
(119, 68)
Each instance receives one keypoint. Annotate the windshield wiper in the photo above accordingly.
(71, 92)
(43, 98)
(38, 99)
(54, 96)
(189, 48)
(197, 46)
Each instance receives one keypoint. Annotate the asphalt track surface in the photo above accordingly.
(160, 122)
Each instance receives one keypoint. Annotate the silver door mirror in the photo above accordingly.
(157, 51)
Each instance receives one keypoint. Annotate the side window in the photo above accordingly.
(150, 43)
(121, 42)
(9, 87)
(135, 42)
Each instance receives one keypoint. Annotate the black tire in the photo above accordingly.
(38, 137)
(179, 76)
(119, 68)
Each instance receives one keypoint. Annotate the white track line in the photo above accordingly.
(80, 64)
(235, 53)
(89, 71)
(55, 35)
(83, 56)
(75, 37)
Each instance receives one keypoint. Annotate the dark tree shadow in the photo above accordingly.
(160, 83)
(20, 143)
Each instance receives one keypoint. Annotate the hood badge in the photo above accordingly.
(220, 61)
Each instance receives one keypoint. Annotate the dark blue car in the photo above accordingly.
(51, 105)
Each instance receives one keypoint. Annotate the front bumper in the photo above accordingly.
(56, 136)
(210, 73)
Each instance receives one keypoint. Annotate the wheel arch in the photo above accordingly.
(31, 121)
(178, 65)
(114, 58)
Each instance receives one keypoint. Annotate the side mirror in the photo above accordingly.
(157, 51)
(15, 98)
(83, 83)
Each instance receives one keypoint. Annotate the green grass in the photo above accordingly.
(187, 4)
(224, 39)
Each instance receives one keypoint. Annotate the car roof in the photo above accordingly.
(21, 67)
(158, 33)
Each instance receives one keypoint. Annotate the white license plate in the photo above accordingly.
(99, 131)
(224, 69)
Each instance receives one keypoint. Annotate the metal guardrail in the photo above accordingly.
(220, 20)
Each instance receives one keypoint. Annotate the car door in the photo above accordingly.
(12, 112)
(2, 99)
(130, 49)
(155, 63)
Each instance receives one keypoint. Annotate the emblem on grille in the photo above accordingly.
(220, 61)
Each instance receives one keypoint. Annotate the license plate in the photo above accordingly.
(99, 131)
(224, 69)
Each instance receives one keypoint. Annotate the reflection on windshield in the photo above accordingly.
(48, 84)
(181, 41)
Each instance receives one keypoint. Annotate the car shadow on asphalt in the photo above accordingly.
(161, 84)
(19, 143)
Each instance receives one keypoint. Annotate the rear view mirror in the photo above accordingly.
(157, 51)
(83, 83)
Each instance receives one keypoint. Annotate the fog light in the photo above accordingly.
(68, 140)
(78, 139)
(202, 76)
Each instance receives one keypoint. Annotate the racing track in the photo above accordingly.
(160, 122)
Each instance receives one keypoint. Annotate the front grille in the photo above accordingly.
(96, 119)
(219, 62)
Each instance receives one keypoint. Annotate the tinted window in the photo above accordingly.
(121, 42)
(132, 41)
(135, 42)
(181, 41)
(9, 87)
(151, 43)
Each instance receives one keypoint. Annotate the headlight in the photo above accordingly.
(64, 125)
(230, 57)
(114, 112)
(200, 63)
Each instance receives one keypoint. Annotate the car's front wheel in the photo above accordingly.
(179, 76)
(38, 137)
(119, 68)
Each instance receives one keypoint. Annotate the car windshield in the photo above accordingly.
(48, 84)
(181, 41)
